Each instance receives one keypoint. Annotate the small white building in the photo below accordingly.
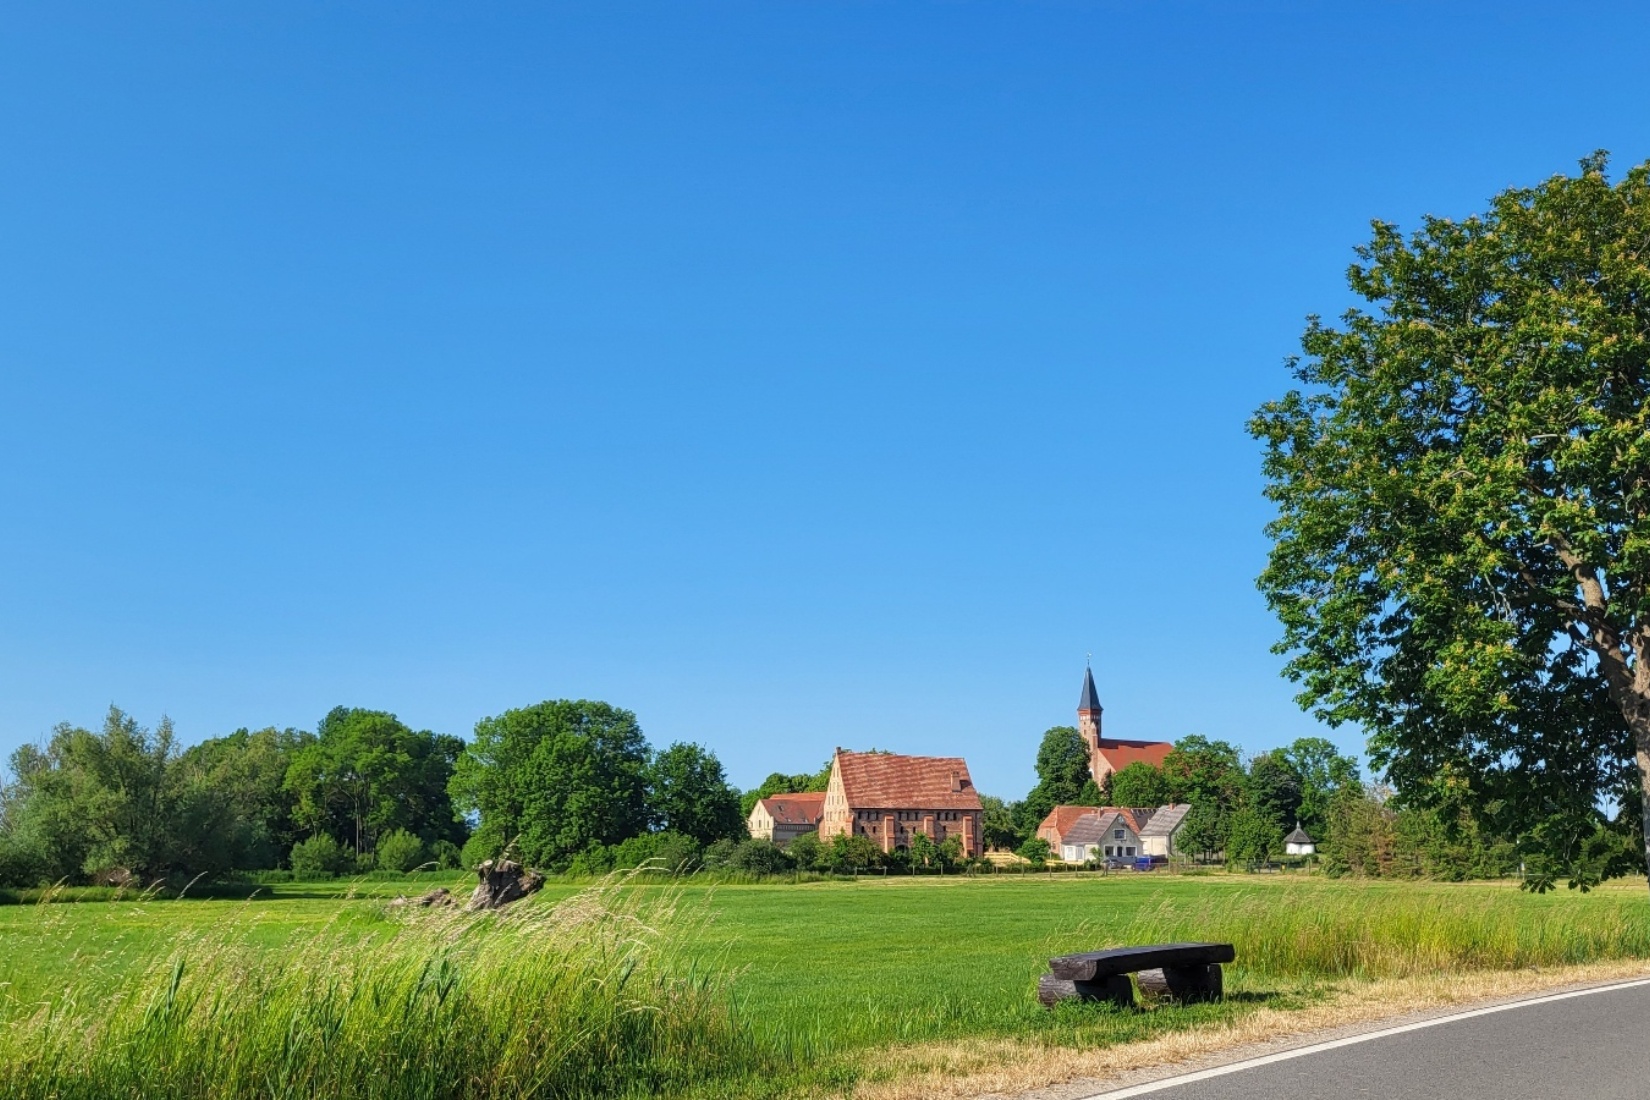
(1298, 843)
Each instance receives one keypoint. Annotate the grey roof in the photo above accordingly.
(1090, 828)
(1165, 821)
(1090, 699)
(1298, 837)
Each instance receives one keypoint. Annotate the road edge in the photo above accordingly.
(1254, 1055)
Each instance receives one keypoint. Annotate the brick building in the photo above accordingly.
(1108, 754)
(782, 818)
(891, 798)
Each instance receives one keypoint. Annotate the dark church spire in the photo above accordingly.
(1090, 699)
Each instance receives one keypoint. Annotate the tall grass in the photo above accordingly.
(1387, 932)
(592, 997)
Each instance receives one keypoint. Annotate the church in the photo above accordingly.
(1107, 754)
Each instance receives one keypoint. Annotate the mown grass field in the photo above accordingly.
(812, 976)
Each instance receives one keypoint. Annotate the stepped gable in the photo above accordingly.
(795, 809)
(879, 780)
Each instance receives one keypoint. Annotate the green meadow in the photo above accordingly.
(732, 990)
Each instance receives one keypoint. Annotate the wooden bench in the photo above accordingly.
(1185, 972)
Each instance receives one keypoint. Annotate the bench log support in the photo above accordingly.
(1186, 984)
(1116, 989)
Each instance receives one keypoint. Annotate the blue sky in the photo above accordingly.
(793, 375)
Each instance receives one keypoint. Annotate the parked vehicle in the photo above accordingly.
(1144, 863)
(1115, 863)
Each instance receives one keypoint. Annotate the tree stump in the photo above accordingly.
(501, 882)
(1117, 989)
(1186, 984)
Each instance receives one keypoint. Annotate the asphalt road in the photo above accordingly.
(1590, 1047)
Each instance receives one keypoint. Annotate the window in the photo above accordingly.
(1118, 834)
(1130, 851)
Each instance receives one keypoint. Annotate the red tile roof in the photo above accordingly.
(883, 781)
(1120, 754)
(1062, 818)
(795, 809)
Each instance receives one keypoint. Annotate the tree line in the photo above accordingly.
(560, 783)
(574, 786)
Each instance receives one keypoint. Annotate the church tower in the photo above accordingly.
(1088, 713)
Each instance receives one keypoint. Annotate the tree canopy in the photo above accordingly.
(367, 773)
(555, 779)
(689, 794)
(1462, 542)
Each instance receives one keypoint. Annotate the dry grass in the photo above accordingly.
(1006, 1067)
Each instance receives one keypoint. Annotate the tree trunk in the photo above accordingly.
(1644, 795)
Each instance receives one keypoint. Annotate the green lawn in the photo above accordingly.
(820, 971)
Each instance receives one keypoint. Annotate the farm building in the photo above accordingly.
(890, 799)
(782, 818)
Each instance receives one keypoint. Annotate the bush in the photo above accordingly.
(1034, 851)
(482, 846)
(718, 853)
(20, 865)
(446, 855)
(808, 853)
(400, 850)
(759, 857)
(321, 854)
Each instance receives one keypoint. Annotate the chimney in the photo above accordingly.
(956, 781)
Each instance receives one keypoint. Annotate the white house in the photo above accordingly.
(1298, 843)
(1099, 834)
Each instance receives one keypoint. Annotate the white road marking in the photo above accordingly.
(1351, 1040)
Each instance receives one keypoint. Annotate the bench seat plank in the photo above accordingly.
(1092, 965)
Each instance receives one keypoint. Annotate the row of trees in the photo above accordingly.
(555, 782)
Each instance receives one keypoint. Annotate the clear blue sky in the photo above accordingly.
(793, 375)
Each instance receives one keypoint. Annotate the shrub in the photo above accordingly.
(400, 850)
(446, 855)
(482, 846)
(20, 865)
(718, 853)
(321, 854)
(808, 853)
(1034, 851)
(759, 857)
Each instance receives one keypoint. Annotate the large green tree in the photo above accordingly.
(555, 778)
(688, 793)
(367, 773)
(1462, 554)
(1062, 769)
(1322, 772)
(119, 799)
